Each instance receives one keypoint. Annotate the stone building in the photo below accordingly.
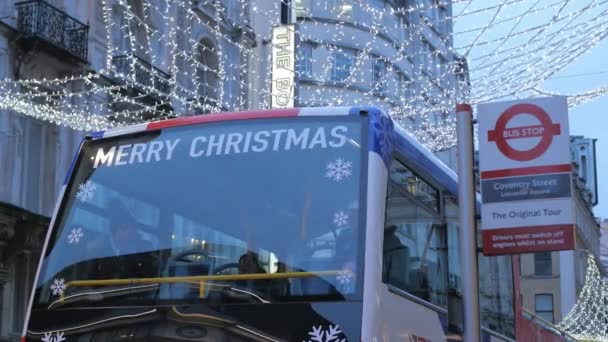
(197, 63)
(61, 38)
(551, 281)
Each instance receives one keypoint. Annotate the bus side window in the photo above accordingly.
(414, 248)
(395, 259)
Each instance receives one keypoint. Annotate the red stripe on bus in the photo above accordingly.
(206, 118)
(524, 171)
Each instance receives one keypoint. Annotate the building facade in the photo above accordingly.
(358, 53)
(34, 155)
(60, 38)
(349, 53)
(550, 282)
(393, 54)
(604, 245)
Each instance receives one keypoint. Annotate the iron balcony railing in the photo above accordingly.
(38, 19)
(142, 72)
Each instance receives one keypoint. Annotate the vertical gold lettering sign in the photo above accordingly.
(283, 66)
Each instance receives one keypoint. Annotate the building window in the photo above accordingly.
(34, 164)
(20, 291)
(343, 9)
(379, 75)
(404, 89)
(543, 306)
(440, 69)
(433, 10)
(99, 20)
(302, 8)
(343, 64)
(496, 294)
(583, 174)
(542, 264)
(285, 9)
(427, 58)
(437, 14)
(443, 19)
(304, 61)
(207, 72)
(414, 250)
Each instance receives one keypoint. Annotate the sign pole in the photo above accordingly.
(466, 214)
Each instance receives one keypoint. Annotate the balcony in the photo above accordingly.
(38, 20)
(205, 105)
(146, 77)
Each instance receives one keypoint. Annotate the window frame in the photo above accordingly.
(439, 209)
(537, 273)
(439, 215)
(302, 8)
(62, 213)
(379, 74)
(347, 54)
(552, 311)
(341, 11)
(304, 65)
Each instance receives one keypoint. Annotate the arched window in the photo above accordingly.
(207, 72)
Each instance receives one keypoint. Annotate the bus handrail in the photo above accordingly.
(199, 280)
(497, 335)
(548, 325)
(399, 292)
(154, 280)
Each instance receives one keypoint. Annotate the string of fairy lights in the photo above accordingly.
(167, 58)
(588, 319)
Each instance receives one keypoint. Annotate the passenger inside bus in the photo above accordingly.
(249, 264)
(126, 247)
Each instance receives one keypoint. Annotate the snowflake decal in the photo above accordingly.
(86, 191)
(344, 277)
(338, 169)
(58, 286)
(340, 218)
(332, 334)
(75, 235)
(48, 337)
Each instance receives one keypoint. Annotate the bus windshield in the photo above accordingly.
(233, 212)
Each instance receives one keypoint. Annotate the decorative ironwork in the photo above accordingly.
(38, 19)
(141, 72)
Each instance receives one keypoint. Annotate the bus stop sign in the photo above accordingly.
(525, 169)
(546, 129)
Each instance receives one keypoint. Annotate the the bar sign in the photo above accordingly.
(526, 186)
(283, 66)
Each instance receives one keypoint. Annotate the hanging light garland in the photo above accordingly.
(510, 53)
(588, 319)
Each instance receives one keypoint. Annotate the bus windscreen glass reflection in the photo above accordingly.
(240, 212)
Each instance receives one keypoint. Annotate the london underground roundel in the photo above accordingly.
(545, 129)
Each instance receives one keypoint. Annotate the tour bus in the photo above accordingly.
(303, 224)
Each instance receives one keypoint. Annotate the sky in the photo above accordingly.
(590, 119)
(587, 72)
